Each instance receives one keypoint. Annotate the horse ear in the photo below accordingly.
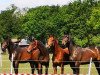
(57, 41)
(33, 39)
(51, 35)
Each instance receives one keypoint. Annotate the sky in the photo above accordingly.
(31, 3)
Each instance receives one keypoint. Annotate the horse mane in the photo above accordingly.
(64, 36)
(42, 48)
(12, 46)
(92, 47)
(56, 41)
(71, 44)
(98, 47)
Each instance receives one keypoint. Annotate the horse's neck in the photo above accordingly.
(71, 47)
(56, 48)
(11, 47)
(42, 48)
(67, 45)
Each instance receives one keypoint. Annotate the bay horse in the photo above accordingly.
(43, 56)
(81, 55)
(20, 55)
(60, 55)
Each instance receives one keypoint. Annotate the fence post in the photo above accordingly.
(0, 56)
(89, 72)
(0, 60)
(11, 70)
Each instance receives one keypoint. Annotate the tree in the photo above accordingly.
(9, 23)
(94, 24)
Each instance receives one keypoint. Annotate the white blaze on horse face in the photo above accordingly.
(65, 40)
(4, 45)
(50, 42)
(32, 46)
(29, 48)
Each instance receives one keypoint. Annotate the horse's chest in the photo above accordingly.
(58, 57)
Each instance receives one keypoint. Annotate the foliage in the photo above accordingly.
(81, 19)
(9, 23)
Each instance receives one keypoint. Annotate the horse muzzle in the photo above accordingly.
(29, 51)
(3, 49)
(47, 46)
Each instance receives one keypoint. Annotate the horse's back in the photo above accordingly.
(98, 51)
(87, 53)
(22, 54)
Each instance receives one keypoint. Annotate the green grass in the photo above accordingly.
(25, 68)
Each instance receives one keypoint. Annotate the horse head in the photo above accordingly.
(68, 42)
(5, 44)
(51, 41)
(32, 46)
(65, 39)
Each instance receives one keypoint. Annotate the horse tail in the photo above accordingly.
(98, 52)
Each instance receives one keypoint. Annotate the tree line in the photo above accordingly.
(81, 19)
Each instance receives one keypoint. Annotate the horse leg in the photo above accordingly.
(74, 68)
(97, 65)
(72, 65)
(46, 67)
(39, 68)
(77, 65)
(55, 69)
(32, 67)
(36, 66)
(15, 65)
(77, 70)
(62, 68)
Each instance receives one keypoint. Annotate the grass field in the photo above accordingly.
(25, 68)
